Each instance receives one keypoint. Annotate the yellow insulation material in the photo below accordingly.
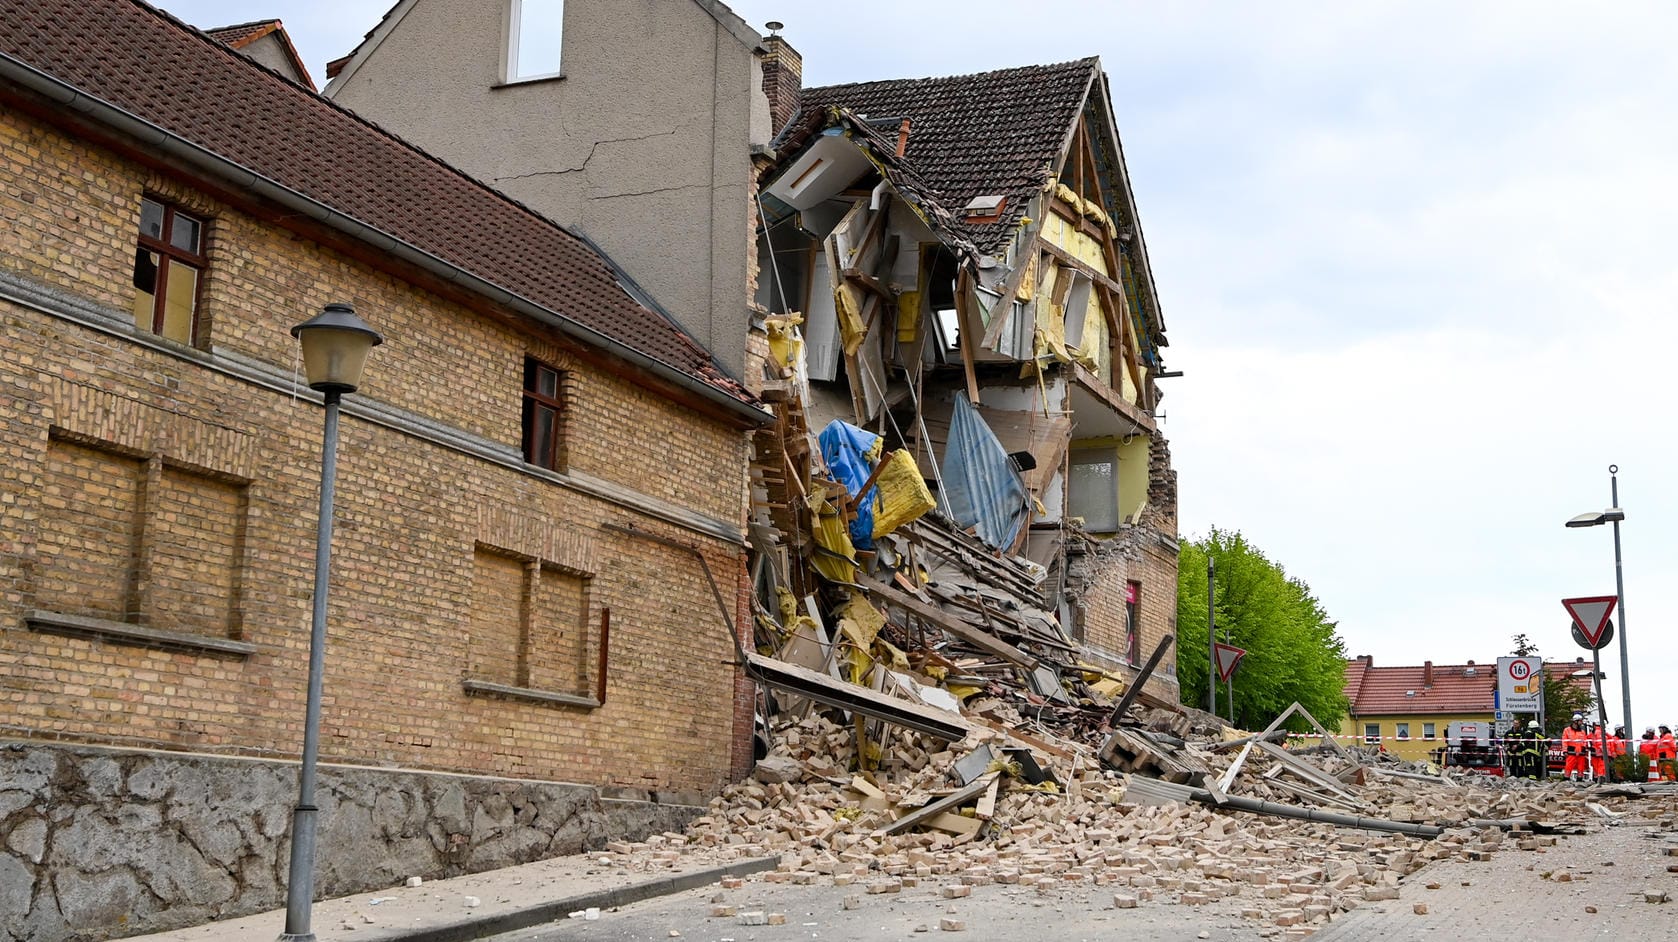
(903, 493)
(860, 621)
(785, 346)
(908, 316)
(835, 556)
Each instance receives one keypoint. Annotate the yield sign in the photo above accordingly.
(1591, 614)
(1228, 657)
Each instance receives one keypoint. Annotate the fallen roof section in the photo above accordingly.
(772, 672)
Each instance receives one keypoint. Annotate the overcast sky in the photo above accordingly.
(1417, 263)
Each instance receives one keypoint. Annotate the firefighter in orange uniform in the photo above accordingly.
(1616, 745)
(1573, 739)
(1647, 748)
(1666, 751)
(1593, 748)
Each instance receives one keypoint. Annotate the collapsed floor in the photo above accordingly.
(986, 811)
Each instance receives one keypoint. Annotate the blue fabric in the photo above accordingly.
(843, 448)
(982, 489)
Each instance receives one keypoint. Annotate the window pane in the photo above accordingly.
(547, 382)
(185, 233)
(1093, 491)
(151, 219)
(542, 437)
(145, 288)
(180, 298)
(538, 42)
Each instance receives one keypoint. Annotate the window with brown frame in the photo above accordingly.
(544, 410)
(168, 267)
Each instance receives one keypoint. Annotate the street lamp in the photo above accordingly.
(1614, 515)
(335, 344)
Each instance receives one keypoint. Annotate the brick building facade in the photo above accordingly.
(161, 473)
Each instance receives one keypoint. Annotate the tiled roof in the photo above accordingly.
(237, 36)
(153, 66)
(993, 133)
(1455, 688)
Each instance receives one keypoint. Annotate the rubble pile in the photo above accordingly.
(988, 810)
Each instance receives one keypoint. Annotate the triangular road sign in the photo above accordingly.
(1591, 614)
(1228, 657)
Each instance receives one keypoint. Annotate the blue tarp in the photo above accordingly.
(982, 489)
(845, 449)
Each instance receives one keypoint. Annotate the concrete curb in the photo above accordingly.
(469, 928)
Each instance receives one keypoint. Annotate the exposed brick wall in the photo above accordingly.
(783, 79)
(90, 421)
(1146, 554)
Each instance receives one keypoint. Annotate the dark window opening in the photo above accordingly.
(544, 408)
(168, 270)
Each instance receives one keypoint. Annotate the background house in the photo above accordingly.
(540, 544)
(1405, 709)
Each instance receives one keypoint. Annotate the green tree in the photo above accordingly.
(1293, 650)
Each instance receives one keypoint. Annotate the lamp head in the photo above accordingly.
(335, 345)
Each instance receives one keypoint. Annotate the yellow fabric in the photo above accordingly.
(835, 557)
(785, 346)
(860, 621)
(908, 316)
(903, 493)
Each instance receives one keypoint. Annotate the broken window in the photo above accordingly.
(534, 31)
(544, 411)
(168, 263)
(1093, 490)
(1133, 621)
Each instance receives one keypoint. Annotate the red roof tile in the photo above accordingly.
(168, 74)
(242, 34)
(1455, 688)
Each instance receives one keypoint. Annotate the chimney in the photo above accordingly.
(1427, 673)
(783, 77)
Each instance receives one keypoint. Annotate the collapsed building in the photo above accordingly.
(960, 308)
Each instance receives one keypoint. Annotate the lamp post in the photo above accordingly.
(1614, 515)
(335, 344)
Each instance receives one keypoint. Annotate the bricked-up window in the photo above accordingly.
(1133, 621)
(544, 415)
(528, 629)
(138, 541)
(168, 266)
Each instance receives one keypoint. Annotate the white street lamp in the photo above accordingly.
(1614, 515)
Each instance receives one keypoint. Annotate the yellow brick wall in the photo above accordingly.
(1104, 619)
(412, 515)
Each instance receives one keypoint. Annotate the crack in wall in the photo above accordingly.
(590, 156)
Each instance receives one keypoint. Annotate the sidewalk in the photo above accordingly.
(442, 910)
(1589, 886)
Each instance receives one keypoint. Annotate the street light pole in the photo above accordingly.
(335, 345)
(1211, 638)
(1619, 590)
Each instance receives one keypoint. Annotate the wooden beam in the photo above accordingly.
(1068, 259)
(869, 282)
(947, 622)
(965, 313)
(973, 790)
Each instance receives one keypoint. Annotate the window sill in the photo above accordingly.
(530, 80)
(484, 688)
(139, 635)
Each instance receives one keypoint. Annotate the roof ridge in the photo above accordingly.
(233, 26)
(1088, 61)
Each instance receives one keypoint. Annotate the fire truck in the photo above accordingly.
(1471, 747)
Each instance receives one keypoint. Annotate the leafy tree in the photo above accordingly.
(1293, 650)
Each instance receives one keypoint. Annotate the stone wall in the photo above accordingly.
(100, 843)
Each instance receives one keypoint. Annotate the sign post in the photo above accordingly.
(1590, 620)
